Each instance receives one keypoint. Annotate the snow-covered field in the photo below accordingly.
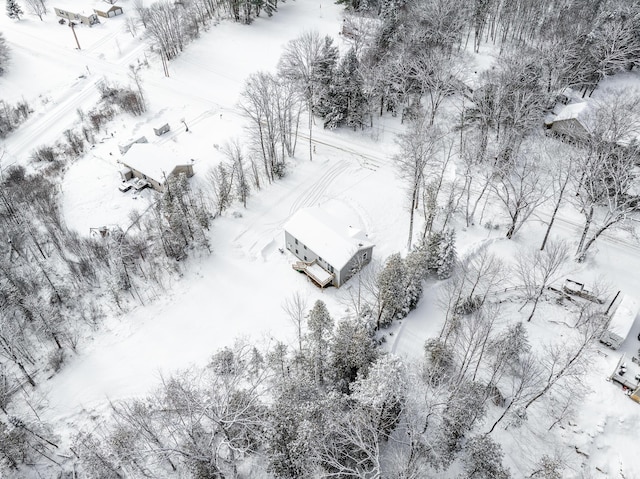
(239, 289)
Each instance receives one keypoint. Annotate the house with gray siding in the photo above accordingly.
(329, 251)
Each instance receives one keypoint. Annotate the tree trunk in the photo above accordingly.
(535, 303)
(587, 225)
(551, 221)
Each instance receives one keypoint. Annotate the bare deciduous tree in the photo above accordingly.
(566, 361)
(271, 105)
(538, 269)
(37, 7)
(418, 147)
(297, 64)
(296, 308)
(520, 187)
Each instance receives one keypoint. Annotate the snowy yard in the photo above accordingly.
(238, 291)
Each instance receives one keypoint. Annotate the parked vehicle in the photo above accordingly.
(124, 186)
(140, 184)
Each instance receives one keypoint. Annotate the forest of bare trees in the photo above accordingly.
(336, 405)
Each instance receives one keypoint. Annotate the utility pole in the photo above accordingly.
(72, 25)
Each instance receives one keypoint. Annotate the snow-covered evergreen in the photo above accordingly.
(13, 9)
(447, 254)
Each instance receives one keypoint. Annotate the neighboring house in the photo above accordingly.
(154, 164)
(81, 17)
(572, 121)
(330, 252)
(113, 11)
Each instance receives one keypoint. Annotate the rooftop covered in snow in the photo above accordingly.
(326, 236)
(152, 161)
(576, 111)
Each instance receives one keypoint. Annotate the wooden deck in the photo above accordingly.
(316, 273)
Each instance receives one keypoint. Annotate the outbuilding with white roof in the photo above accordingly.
(329, 251)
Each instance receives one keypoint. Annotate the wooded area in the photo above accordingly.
(336, 405)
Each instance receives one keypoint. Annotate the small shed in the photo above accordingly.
(114, 11)
(154, 164)
(125, 146)
(162, 130)
(330, 252)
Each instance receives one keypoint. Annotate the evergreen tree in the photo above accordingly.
(383, 392)
(324, 71)
(391, 294)
(447, 254)
(350, 4)
(353, 350)
(464, 408)
(433, 248)
(483, 459)
(294, 424)
(416, 264)
(320, 330)
(4, 54)
(13, 9)
(346, 100)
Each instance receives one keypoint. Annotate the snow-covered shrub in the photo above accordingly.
(468, 305)
(44, 153)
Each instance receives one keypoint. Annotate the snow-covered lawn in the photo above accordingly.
(239, 289)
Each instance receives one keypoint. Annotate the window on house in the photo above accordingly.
(296, 241)
(304, 246)
(296, 251)
(364, 256)
(305, 258)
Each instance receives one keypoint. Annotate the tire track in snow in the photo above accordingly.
(31, 135)
(369, 161)
(261, 235)
(311, 196)
(40, 129)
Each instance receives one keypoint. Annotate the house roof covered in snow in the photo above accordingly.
(70, 6)
(624, 316)
(576, 111)
(152, 161)
(326, 236)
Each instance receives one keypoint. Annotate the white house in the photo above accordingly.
(82, 16)
(154, 164)
(330, 252)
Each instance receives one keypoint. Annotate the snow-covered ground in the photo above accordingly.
(239, 289)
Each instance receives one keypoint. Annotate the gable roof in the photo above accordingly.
(576, 111)
(323, 234)
(152, 161)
